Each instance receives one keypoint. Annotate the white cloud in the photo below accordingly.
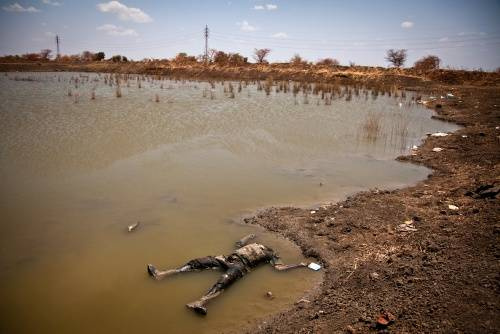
(52, 3)
(407, 24)
(444, 39)
(124, 13)
(280, 35)
(268, 6)
(113, 30)
(15, 7)
(245, 26)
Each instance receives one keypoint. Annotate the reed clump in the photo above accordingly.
(371, 126)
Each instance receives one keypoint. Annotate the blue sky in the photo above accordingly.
(464, 34)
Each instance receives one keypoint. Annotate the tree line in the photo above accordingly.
(396, 58)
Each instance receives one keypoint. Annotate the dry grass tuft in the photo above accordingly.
(371, 126)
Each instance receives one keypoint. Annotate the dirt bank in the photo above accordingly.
(440, 272)
(279, 71)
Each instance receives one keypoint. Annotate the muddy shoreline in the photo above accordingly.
(439, 271)
(439, 275)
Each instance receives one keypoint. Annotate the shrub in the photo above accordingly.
(45, 54)
(328, 62)
(31, 56)
(427, 63)
(119, 58)
(98, 56)
(297, 60)
(183, 58)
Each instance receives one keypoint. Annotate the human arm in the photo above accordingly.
(245, 240)
(279, 265)
(282, 267)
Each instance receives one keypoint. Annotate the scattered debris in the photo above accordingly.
(385, 319)
(485, 191)
(439, 134)
(452, 207)
(269, 295)
(132, 227)
(437, 149)
(314, 266)
(303, 300)
(349, 329)
(374, 276)
(407, 226)
(313, 212)
(450, 95)
(464, 136)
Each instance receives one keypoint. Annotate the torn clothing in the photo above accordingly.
(250, 256)
(236, 265)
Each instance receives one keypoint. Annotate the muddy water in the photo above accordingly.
(76, 171)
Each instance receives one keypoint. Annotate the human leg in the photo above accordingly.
(229, 277)
(208, 262)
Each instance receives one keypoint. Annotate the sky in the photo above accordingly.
(464, 34)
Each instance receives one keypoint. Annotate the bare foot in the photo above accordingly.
(152, 271)
(197, 307)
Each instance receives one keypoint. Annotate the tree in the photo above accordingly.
(297, 60)
(31, 56)
(45, 54)
(427, 63)
(183, 58)
(328, 62)
(98, 56)
(260, 55)
(211, 54)
(118, 58)
(396, 57)
(220, 57)
(87, 56)
(237, 59)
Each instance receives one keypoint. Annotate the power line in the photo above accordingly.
(355, 42)
(324, 47)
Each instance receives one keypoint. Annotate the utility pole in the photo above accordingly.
(57, 45)
(206, 43)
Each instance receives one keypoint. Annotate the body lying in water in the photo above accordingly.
(235, 266)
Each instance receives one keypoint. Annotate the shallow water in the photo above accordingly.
(76, 171)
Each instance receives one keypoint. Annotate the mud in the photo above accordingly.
(442, 274)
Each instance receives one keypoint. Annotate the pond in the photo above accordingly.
(84, 155)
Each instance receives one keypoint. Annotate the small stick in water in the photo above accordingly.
(243, 241)
(133, 226)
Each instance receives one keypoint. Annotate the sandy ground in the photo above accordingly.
(424, 259)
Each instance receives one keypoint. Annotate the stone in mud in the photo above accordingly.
(385, 319)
